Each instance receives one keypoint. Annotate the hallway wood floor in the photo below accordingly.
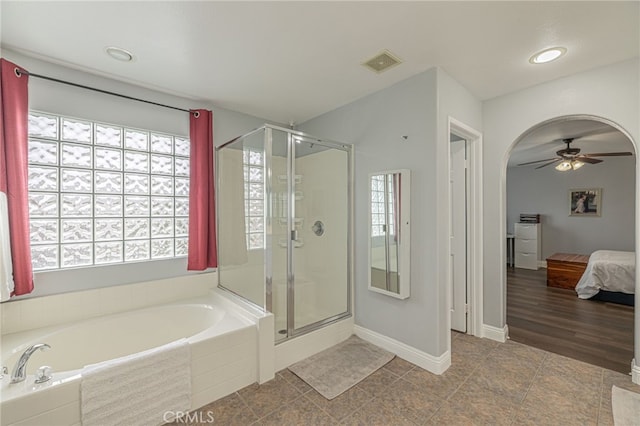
(557, 321)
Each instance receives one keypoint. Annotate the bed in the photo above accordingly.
(609, 274)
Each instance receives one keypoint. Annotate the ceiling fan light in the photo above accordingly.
(564, 166)
(575, 164)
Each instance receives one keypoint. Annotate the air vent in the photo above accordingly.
(382, 62)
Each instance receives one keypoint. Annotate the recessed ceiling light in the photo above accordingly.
(119, 54)
(548, 55)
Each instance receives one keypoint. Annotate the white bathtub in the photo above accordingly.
(224, 346)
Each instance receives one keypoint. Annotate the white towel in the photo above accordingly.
(6, 268)
(625, 406)
(140, 389)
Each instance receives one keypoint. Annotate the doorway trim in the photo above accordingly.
(475, 287)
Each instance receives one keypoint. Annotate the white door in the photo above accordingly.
(458, 235)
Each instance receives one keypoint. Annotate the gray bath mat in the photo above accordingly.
(335, 370)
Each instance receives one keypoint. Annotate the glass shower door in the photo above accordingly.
(319, 228)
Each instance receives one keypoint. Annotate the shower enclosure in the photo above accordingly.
(284, 208)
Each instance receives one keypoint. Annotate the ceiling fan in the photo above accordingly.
(571, 159)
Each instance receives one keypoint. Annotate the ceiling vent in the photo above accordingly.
(382, 62)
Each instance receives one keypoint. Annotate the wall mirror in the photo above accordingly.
(389, 236)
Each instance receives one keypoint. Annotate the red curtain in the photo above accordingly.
(202, 216)
(14, 109)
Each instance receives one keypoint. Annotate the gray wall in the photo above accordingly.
(456, 102)
(66, 100)
(376, 124)
(610, 92)
(546, 192)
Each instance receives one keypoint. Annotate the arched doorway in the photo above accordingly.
(550, 318)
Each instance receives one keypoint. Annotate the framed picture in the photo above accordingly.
(585, 202)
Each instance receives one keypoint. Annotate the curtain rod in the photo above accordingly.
(20, 71)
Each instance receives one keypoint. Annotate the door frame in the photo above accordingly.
(474, 232)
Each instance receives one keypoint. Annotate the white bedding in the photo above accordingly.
(608, 270)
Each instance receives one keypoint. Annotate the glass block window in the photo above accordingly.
(253, 162)
(378, 200)
(102, 193)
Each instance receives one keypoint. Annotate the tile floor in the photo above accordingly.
(488, 383)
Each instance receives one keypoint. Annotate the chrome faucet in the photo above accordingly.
(20, 370)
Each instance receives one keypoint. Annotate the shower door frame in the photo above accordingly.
(268, 221)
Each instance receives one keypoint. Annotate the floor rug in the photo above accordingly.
(335, 370)
(626, 407)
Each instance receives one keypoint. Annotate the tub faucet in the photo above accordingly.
(20, 370)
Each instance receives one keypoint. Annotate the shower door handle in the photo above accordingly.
(294, 235)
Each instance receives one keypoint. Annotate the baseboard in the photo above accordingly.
(495, 333)
(635, 372)
(433, 364)
(542, 264)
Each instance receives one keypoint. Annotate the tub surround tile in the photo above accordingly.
(37, 312)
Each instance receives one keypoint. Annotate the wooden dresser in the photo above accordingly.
(564, 270)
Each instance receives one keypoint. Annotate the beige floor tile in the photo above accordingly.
(467, 344)
(295, 381)
(398, 366)
(377, 382)
(464, 363)
(443, 385)
(483, 404)
(555, 364)
(512, 389)
(342, 405)
(610, 378)
(376, 414)
(605, 415)
(417, 403)
(525, 354)
(297, 412)
(450, 415)
(546, 403)
(265, 398)
(488, 383)
(230, 410)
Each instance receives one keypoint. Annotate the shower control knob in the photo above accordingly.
(43, 374)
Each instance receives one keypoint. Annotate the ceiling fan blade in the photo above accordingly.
(555, 160)
(589, 160)
(608, 154)
(538, 161)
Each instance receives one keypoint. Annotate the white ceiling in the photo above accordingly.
(292, 61)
